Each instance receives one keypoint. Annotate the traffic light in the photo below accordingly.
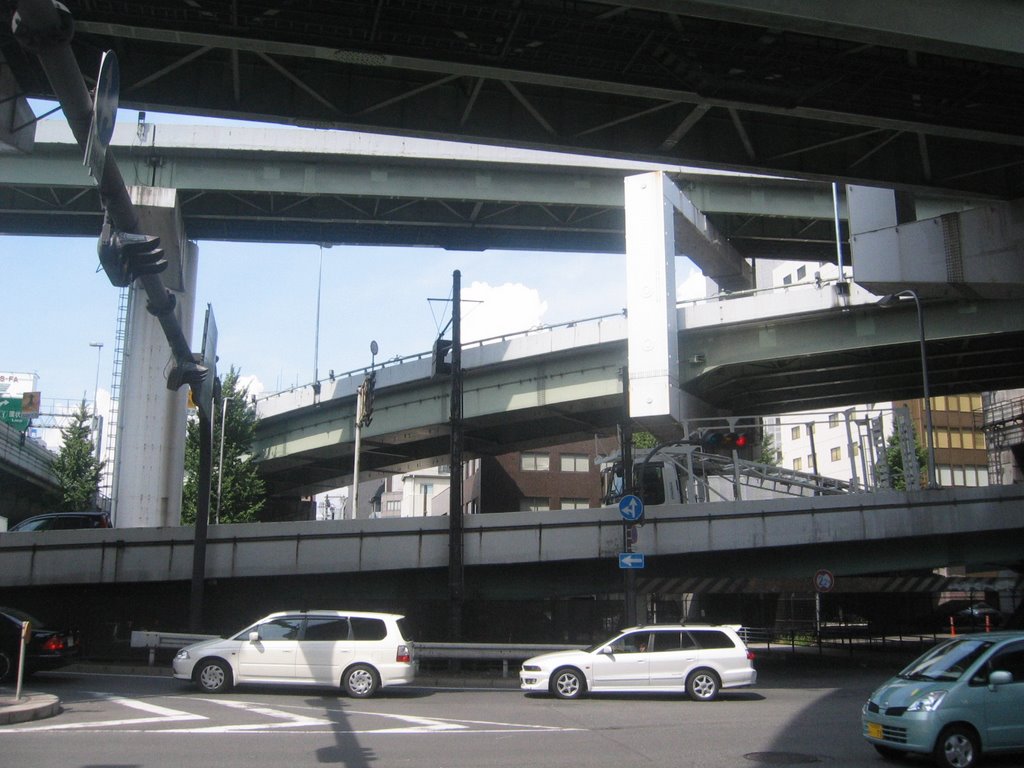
(125, 256)
(716, 440)
(438, 366)
(366, 400)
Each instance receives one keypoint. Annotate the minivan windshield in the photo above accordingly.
(946, 662)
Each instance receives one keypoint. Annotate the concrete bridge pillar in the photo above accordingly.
(150, 441)
(661, 223)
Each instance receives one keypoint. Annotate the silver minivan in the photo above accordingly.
(358, 651)
(963, 698)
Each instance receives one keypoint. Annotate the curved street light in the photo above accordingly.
(892, 300)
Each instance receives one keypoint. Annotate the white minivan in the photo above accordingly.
(358, 651)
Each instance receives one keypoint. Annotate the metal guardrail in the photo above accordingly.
(445, 651)
(165, 640)
(846, 638)
(486, 652)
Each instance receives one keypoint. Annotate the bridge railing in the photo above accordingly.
(358, 373)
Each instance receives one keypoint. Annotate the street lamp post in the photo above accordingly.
(220, 463)
(892, 300)
(95, 396)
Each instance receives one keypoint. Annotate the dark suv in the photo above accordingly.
(61, 521)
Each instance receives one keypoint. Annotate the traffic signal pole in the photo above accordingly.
(456, 569)
(44, 30)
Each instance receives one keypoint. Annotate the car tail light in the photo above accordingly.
(750, 655)
(54, 643)
(403, 654)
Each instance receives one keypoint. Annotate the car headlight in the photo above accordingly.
(927, 703)
(531, 668)
(182, 655)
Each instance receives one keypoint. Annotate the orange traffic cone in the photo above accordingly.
(988, 623)
(952, 627)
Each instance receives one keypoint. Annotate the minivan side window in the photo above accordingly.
(712, 638)
(286, 628)
(368, 629)
(330, 628)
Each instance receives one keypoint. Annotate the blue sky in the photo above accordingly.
(264, 297)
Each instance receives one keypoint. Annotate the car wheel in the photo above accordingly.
(957, 747)
(568, 683)
(703, 685)
(888, 753)
(6, 666)
(360, 681)
(213, 676)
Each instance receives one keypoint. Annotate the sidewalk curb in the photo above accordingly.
(31, 706)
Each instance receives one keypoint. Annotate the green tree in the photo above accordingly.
(643, 441)
(242, 492)
(76, 466)
(894, 458)
(768, 455)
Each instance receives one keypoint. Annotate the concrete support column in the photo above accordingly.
(150, 449)
(653, 335)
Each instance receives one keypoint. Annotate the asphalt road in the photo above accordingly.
(793, 717)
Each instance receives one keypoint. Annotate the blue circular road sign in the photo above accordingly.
(631, 508)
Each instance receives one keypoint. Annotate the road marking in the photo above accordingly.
(409, 724)
(161, 715)
(289, 720)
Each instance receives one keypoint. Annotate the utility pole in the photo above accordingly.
(456, 572)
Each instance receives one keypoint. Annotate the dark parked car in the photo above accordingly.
(59, 521)
(46, 649)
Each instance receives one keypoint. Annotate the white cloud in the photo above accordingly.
(693, 287)
(502, 309)
(252, 384)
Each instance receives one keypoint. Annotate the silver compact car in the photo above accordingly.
(698, 659)
(357, 651)
(963, 698)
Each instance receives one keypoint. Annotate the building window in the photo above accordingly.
(798, 464)
(836, 454)
(575, 462)
(833, 420)
(794, 433)
(534, 504)
(787, 280)
(393, 505)
(575, 504)
(801, 272)
(534, 462)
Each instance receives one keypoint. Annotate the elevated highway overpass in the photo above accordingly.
(559, 553)
(793, 349)
(272, 184)
(919, 96)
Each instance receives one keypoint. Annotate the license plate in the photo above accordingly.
(71, 641)
(875, 730)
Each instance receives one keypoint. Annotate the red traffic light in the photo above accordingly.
(715, 440)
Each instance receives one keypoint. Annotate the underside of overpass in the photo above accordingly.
(919, 95)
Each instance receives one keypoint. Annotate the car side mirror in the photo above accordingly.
(607, 650)
(1000, 677)
(254, 637)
